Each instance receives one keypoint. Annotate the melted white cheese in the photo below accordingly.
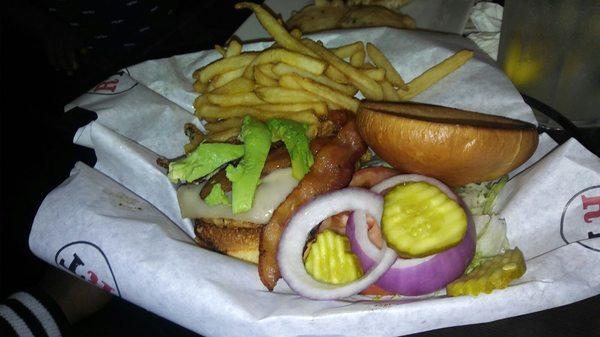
(271, 192)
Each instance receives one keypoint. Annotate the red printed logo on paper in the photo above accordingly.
(116, 84)
(86, 260)
(580, 221)
(108, 85)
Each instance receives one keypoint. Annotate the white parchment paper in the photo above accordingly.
(118, 226)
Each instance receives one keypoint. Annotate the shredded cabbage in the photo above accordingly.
(490, 228)
(374, 161)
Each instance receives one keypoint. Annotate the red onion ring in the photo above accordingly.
(419, 276)
(291, 245)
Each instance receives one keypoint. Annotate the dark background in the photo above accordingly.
(37, 154)
(36, 138)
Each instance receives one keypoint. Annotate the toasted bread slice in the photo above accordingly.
(238, 242)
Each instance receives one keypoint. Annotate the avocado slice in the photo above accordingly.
(246, 176)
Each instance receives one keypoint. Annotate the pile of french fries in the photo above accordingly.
(299, 79)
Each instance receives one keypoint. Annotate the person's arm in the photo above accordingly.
(32, 313)
(50, 309)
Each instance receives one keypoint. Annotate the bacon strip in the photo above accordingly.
(333, 169)
(219, 178)
(371, 176)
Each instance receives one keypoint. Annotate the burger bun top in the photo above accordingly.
(455, 146)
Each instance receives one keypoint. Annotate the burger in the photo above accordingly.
(446, 145)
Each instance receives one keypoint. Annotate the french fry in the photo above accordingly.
(382, 62)
(223, 125)
(200, 101)
(307, 63)
(297, 79)
(435, 74)
(215, 112)
(368, 65)
(225, 135)
(283, 69)
(211, 85)
(233, 49)
(389, 93)
(237, 86)
(220, 50)
(288, 81)
(210, 111)
(306, 117)
(368, 87)
(319, 108)
(199, 86)
(225, 78)
(348, 50)
(267, 69)
(263, 79)
(333, 106)
(275, 29)
(246, 98)
(336, 75)
(224, 65)
(296, 33)
(280, 95)
(357, 59)
(328, 94)
(274, 45)
(377, 74)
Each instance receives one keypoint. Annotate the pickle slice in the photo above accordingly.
(419, 220)
(496, 273)
(330, 260)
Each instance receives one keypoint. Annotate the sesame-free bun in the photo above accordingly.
(455, 146)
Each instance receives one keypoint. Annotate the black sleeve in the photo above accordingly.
(32, 313)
